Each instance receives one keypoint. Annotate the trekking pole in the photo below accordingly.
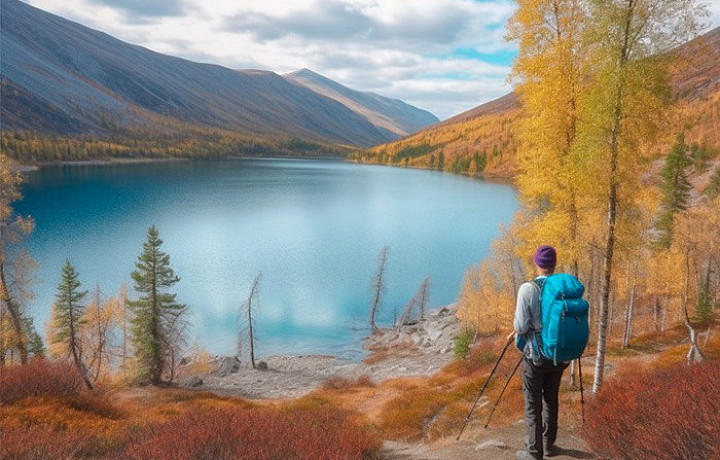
(582, 397)
(503, 390)
(469, 415)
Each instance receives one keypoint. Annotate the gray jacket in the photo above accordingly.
(528, 317)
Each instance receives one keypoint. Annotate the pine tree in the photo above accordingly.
(675, 188)
(68, 314)
(156, 317)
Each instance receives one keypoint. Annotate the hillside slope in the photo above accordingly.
(392, 115)
(61, 77)
(481, 139)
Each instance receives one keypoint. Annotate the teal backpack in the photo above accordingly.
(565, 329)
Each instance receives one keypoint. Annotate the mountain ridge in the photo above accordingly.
(65, 78)
(393, 115)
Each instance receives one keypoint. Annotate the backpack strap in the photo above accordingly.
(535, 340)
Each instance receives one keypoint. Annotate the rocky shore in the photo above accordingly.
(419, 348)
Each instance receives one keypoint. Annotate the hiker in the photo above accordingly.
(541, 376)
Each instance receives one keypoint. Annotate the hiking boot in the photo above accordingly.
(552, 451)
(525, 455)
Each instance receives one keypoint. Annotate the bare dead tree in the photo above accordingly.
(378, 287)
(420, 299)
(405, 317)
(248, 310)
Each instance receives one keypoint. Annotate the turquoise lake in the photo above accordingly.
(314, 228)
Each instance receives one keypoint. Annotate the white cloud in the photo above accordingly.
(405, 49)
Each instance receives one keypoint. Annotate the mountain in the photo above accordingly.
(57, 76)
(478, 140)
(481, 139)
(392, 115)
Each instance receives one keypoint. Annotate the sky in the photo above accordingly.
(445, 56)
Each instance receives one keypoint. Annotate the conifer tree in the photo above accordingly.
(68, 319)
(675, 188)
(156, 316)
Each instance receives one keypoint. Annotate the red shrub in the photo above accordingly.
(37, 443)
(342, 383)
(38, 378)
(257, 434)
(673, 414)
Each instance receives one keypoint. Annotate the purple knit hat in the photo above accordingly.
(545, 257)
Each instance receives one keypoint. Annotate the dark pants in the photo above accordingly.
(541, 384)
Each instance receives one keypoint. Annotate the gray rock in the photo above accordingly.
(435, 335)
(262, 366)
(192, 382)
(491, 444)
(225, 366)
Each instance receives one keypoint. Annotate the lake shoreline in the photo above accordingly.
(29, 167)
(418, 349)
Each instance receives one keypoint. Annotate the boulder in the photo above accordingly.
(192, 382)
(225, 366)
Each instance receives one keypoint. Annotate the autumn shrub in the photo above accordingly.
(37, 443)
(257, 434)
(342, 383)
(39, 377)
(673, 414)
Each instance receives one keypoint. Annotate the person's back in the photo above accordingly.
(540, 376)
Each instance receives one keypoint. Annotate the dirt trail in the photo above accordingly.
(491, 444)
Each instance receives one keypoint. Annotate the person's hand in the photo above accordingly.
(510, 337)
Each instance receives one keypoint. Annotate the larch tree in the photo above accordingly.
(378, 287)
(157, 319)
(101, 318)
(549, 76)
(68, 318)
(15, 265)
(622, 110)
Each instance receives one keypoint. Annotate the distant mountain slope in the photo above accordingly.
(697, 89)
(61, 77)
(481, 139)
(478, 140)
(393, 115)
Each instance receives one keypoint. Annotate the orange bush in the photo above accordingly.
(673, 414)
(256, 434)
(39, 378)
(37, 443)
(340, 383)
